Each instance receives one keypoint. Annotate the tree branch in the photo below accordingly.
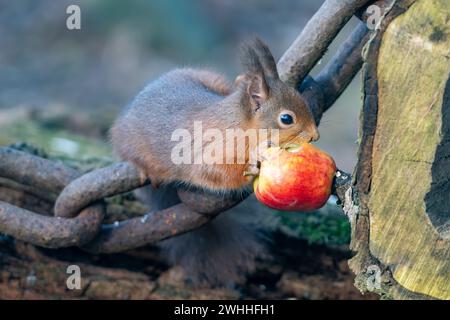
(315, 38)
(320, 93)
(344, 65)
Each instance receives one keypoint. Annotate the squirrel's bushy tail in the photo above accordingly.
(222, 252)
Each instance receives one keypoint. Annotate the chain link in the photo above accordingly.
(79, 209)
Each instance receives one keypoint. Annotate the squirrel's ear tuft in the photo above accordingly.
(257, 90)
(256, 58)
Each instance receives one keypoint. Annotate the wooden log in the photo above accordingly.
(401, 199)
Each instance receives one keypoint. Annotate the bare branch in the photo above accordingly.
(344, 65)
(320, 93)
(315, 38)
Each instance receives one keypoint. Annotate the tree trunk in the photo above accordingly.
(400, 206)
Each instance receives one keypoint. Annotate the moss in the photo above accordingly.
(319, 227)
(53, 141)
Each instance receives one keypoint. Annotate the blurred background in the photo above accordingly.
(61, 89)
(82, 78)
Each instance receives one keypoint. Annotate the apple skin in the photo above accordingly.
(295, 179)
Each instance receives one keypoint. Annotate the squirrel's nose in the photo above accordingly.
(313, 134)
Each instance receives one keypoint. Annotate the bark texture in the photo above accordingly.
(402, 191)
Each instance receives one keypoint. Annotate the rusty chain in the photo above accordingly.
(80, 209)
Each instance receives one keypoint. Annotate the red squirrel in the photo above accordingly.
(258, 99)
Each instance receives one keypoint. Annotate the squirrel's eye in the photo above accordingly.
(286, 118)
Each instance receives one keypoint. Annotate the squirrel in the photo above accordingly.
(221, 251)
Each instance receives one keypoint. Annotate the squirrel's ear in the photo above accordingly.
(257, 90)
(256, 58)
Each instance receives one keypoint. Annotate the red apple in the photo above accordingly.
(295, 179)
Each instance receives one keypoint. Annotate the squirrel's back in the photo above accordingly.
(142, 133)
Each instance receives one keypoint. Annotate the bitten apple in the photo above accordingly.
(295, 179)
